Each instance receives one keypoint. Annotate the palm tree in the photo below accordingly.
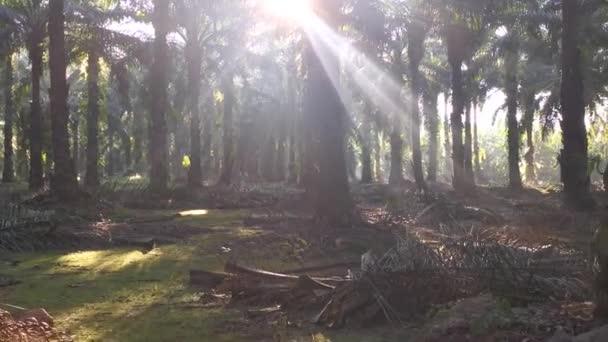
(28, 21)
(329, 189)
(159, 154)
(64, 184)
(574, 155)
(8, 172)
(416, 33)
(456, 40)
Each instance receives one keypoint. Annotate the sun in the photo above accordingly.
(298, 10)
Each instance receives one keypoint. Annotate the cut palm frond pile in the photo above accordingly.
(415, 275)
(18, 225)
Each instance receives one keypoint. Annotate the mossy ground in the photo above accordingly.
(125, 295)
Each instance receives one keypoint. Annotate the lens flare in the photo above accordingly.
(288, 9)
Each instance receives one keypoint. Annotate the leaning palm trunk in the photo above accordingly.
(574, 155)
(64, 184)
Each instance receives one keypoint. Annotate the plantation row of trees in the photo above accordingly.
(221, 91)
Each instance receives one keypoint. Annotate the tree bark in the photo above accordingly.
(416, 35)
(326, 112)
(8, 172)
(511, 85)
(468, 146)
(36, 180)
(396, 139)
(529, 127)
(159, 149)
(366, 151)
(228, 138)
(64, 184)
(193, 62)
(476, 157)
(574, 155)
(459, 180)
(432, 118)
(91, 179)
(446, 134)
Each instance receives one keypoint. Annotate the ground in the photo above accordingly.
(130, 292)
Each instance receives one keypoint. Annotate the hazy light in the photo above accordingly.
(371, 80)
(197, 212)
(295, 9)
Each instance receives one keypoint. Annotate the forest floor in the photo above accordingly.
(125, 274)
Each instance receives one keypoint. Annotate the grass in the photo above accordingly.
(124, 295)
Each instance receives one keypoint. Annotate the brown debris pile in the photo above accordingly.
(408, 280)
(30, 326)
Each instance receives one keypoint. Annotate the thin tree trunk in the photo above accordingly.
(574, 155)
(64, 184)
(379, 152)
(138, 133)
(468, 146)
(159, 148)
(476, 158)
(511, 83)
(91, 179)
(529, 127)
(75, 144)
(432, 118)
(195, 173)
(8, 172)
(228, 138)
(36, 174)
(366, 151)
(446, 134)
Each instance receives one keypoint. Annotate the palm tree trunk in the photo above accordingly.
(36, 174)
(159, 153)
(91, 180)
(228, 138)
(64, 184)
(138, 133)
(8, 172)
(416, 36)
(366, 151)
(193, 62)
(512, 124)
(574, 155)
(326, 112)
(476, 158)
(75, 144)
(396, 175)
(446, 134)
(468, 146)
(529, 127)
(459, 180)
(432, 118)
